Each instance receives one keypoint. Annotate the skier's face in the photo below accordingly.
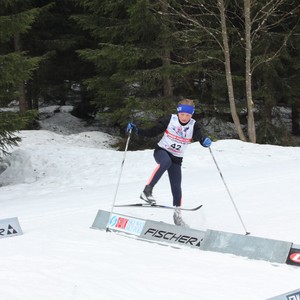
(184, 117)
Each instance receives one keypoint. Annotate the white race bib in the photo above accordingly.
(177, 137)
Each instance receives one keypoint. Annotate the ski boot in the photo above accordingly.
(147, 196)
(178, 218)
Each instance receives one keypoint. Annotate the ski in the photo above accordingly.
(157, 206)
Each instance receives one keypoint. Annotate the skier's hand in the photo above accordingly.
(206, 142)
(131, 127)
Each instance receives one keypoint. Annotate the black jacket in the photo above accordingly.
(162, 125)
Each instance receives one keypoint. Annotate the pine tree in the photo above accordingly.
(276, 73)
(15, 65)
(56, 37)
(133, 57)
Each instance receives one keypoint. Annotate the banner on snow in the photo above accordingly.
(10, 227)
(294, 295)
(149, 230)
(294, 256)
(210, 240)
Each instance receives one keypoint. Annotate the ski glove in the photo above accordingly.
(131, 128)
(206, 142)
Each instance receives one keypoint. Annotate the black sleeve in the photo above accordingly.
(157, 129)
(197, 134)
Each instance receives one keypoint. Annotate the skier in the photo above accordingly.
(179, 130)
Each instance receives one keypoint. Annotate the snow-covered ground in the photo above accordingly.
(56, 183)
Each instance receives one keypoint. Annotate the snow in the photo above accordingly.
(55, 184)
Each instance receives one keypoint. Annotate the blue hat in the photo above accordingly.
(188, 109)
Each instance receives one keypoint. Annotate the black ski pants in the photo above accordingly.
(166, 162)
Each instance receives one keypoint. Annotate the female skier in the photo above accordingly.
(179, 130)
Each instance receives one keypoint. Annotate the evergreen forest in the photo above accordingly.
(122, 60)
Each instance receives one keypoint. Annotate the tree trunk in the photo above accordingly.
(21, 96)
(166, 59)
(233, 111)
(167, 82)
(295, 120)
(21, 85)
(248, 73)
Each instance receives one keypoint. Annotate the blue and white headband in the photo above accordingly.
(187, 109)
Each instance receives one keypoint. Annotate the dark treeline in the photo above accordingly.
(239, 59)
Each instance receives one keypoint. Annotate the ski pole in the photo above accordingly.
(228, 192)
(119, 179)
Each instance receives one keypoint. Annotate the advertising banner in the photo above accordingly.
(10, 227)
(294, 295)
(294, 256)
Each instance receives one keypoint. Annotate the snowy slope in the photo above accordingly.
(55, 185)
